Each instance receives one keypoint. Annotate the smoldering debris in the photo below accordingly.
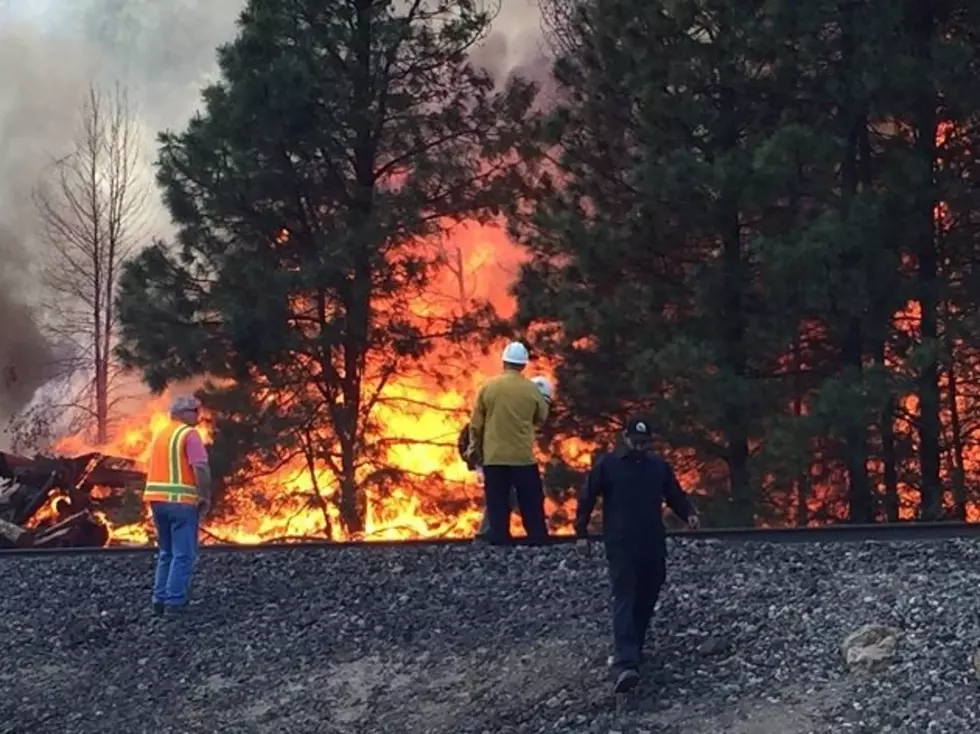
(57, 502)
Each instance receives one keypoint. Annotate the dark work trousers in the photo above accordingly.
(526, 482)
(636, 584)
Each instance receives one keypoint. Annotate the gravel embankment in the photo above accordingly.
(467, 640)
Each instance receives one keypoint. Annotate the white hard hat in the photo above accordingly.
(544, 385)
(515, 353)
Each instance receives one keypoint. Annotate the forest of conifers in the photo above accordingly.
(755, 221)
(764, 223)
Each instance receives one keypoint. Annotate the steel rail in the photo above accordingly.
(892, 532)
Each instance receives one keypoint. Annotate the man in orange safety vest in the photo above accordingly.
(178, 490)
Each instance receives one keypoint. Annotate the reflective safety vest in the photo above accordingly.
(169, 475)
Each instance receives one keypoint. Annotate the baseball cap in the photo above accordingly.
(638, 427)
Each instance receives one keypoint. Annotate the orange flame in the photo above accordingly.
(440, 496)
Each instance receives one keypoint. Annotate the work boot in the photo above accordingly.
(158, 608)
(626, 681)
(175, 610)
(611, 660)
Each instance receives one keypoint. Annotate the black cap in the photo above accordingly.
(639, 427)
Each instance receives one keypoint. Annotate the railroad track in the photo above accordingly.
(897, 532)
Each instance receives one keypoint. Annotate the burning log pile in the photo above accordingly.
(52, 502)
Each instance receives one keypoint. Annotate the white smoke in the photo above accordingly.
(51, 51)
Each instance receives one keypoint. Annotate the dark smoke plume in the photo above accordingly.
(33, 119)
(27, 358)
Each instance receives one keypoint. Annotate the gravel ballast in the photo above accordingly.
(471, 639)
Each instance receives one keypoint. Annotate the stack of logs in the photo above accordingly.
(52, 502)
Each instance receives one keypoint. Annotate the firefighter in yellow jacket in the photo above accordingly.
(178, 490)
(463, 445)
(508, 408)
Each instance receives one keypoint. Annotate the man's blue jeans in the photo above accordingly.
(177, 542)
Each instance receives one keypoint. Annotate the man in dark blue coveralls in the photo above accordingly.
(634, 484)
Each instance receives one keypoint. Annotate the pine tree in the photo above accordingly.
(887, 75)
(841, 255)
(934, 97)
(828, 330)
(643, 254)
(342, 137)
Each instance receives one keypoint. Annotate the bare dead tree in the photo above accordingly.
(92, 205)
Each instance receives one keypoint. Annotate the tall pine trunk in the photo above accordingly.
(734, 280)
(956, 446)
(921, 25)
(801, 485)
(359, 290)
(353, 503)
(889, 455)
(859, 499)
(854, 125)
(958, 470)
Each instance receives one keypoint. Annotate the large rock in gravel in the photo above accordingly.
(872, 643)
(466, 640)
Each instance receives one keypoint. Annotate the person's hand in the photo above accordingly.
(694, 521)
(583, 547)
(203, 508)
